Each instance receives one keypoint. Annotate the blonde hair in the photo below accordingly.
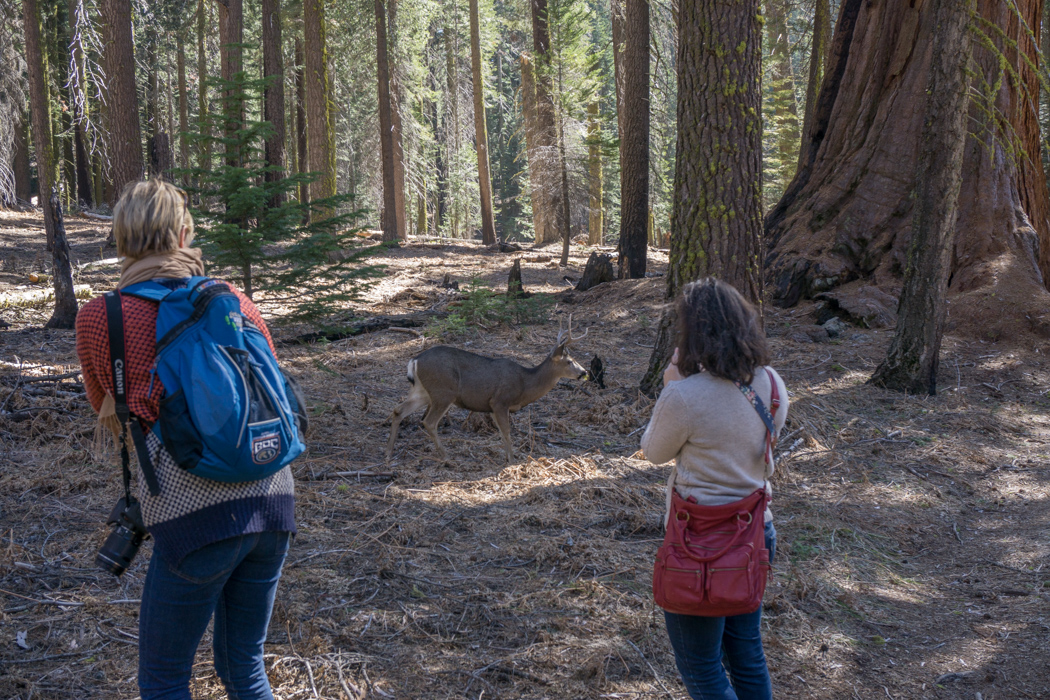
(148, 218)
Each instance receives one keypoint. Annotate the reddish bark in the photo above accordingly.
(848, 213)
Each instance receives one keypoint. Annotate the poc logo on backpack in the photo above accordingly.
(228, 413)
(266, 448)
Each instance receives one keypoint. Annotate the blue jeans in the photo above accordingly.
(234, 579)
(702, 645)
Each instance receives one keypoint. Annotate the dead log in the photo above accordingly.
(598, 271)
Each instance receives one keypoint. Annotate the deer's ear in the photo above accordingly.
(559, 350)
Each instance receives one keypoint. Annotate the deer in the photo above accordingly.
(444, 376)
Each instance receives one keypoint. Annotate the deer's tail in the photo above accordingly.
(412, 372)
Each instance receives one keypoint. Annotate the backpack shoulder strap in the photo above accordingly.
(150, 291)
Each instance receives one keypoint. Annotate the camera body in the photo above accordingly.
(123, 543)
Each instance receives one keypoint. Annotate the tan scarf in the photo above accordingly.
(176, 264)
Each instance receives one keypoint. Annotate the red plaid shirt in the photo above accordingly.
(140, 344)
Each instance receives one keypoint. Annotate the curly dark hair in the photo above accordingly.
(719, 331)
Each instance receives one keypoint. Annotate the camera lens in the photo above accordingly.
(118, 550)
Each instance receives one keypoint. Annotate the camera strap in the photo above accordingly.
(118, 365)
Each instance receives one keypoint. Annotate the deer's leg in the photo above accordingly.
(413, 403)
(434, 414)
(501, 415)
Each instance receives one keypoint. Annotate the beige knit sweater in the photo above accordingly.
(715, 436)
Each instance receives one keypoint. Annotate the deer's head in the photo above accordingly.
(561, 360)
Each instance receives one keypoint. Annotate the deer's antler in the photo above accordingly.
(565, 336)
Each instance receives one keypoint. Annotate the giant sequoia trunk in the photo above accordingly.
(537, 179)
(819, 57)
(633, 82)
(125, 136)
(716, 216)
(231, 36)
(911, 364)
(847, 216)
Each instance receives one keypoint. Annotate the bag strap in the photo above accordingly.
(118, 365)
(768, 417)
(741, 529)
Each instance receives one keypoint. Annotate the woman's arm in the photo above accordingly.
(91, 341)
(666, 432)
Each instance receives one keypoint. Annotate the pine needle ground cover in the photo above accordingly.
(913, 531)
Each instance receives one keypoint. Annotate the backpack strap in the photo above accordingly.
(118, 365)
(150, 291)
(768, 417)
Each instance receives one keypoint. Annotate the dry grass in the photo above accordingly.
(913, 531)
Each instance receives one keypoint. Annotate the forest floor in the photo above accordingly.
(913, 554)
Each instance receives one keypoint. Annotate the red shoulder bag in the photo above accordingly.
(714, 561)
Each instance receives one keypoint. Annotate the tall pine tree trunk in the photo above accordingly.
(716, 216)
(481, 131)
(122, 109)
(538, 192)
(819, 57)
(23, 179)
(301, 136)
(595, 220)
(557, 226)
(78, 108)
(320, 134)
(65, 312)
(452, 132)
(184, 102)
(634, 138)
(846, 219)
(231, 35)
(202, 88)
(396, 130)
(386, 138)
(273, 99)
(911, 364)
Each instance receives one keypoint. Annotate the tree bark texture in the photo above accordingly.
(911, 364)
(386, 136)
(320, 134)
(819, 57)
(202, 88)
(716, 215)
(301, 140)
(481, 131)
(231, 36)
(184, 102)
(847, 217)
(538, 193)
(273, 101)
(396, 127)
(596, 215)
(125, 136)
(23, 180)
(557, 226)
(65, 313)
(634, 139)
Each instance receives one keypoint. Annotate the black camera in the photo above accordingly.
(123, 543)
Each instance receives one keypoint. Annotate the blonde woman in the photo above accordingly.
(218, 547)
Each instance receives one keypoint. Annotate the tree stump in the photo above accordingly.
(515, 288)
(596, 373)
(598, 271)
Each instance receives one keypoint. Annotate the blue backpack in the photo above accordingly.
(228, 412)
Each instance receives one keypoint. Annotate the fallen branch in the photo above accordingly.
(368, 325)
(51, 377)
(368, 474)
(96, 217)
(410, 331)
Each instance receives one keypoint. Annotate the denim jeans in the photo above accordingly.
(234, 579)
(703, 645)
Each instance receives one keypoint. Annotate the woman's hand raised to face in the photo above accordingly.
(671, 374)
